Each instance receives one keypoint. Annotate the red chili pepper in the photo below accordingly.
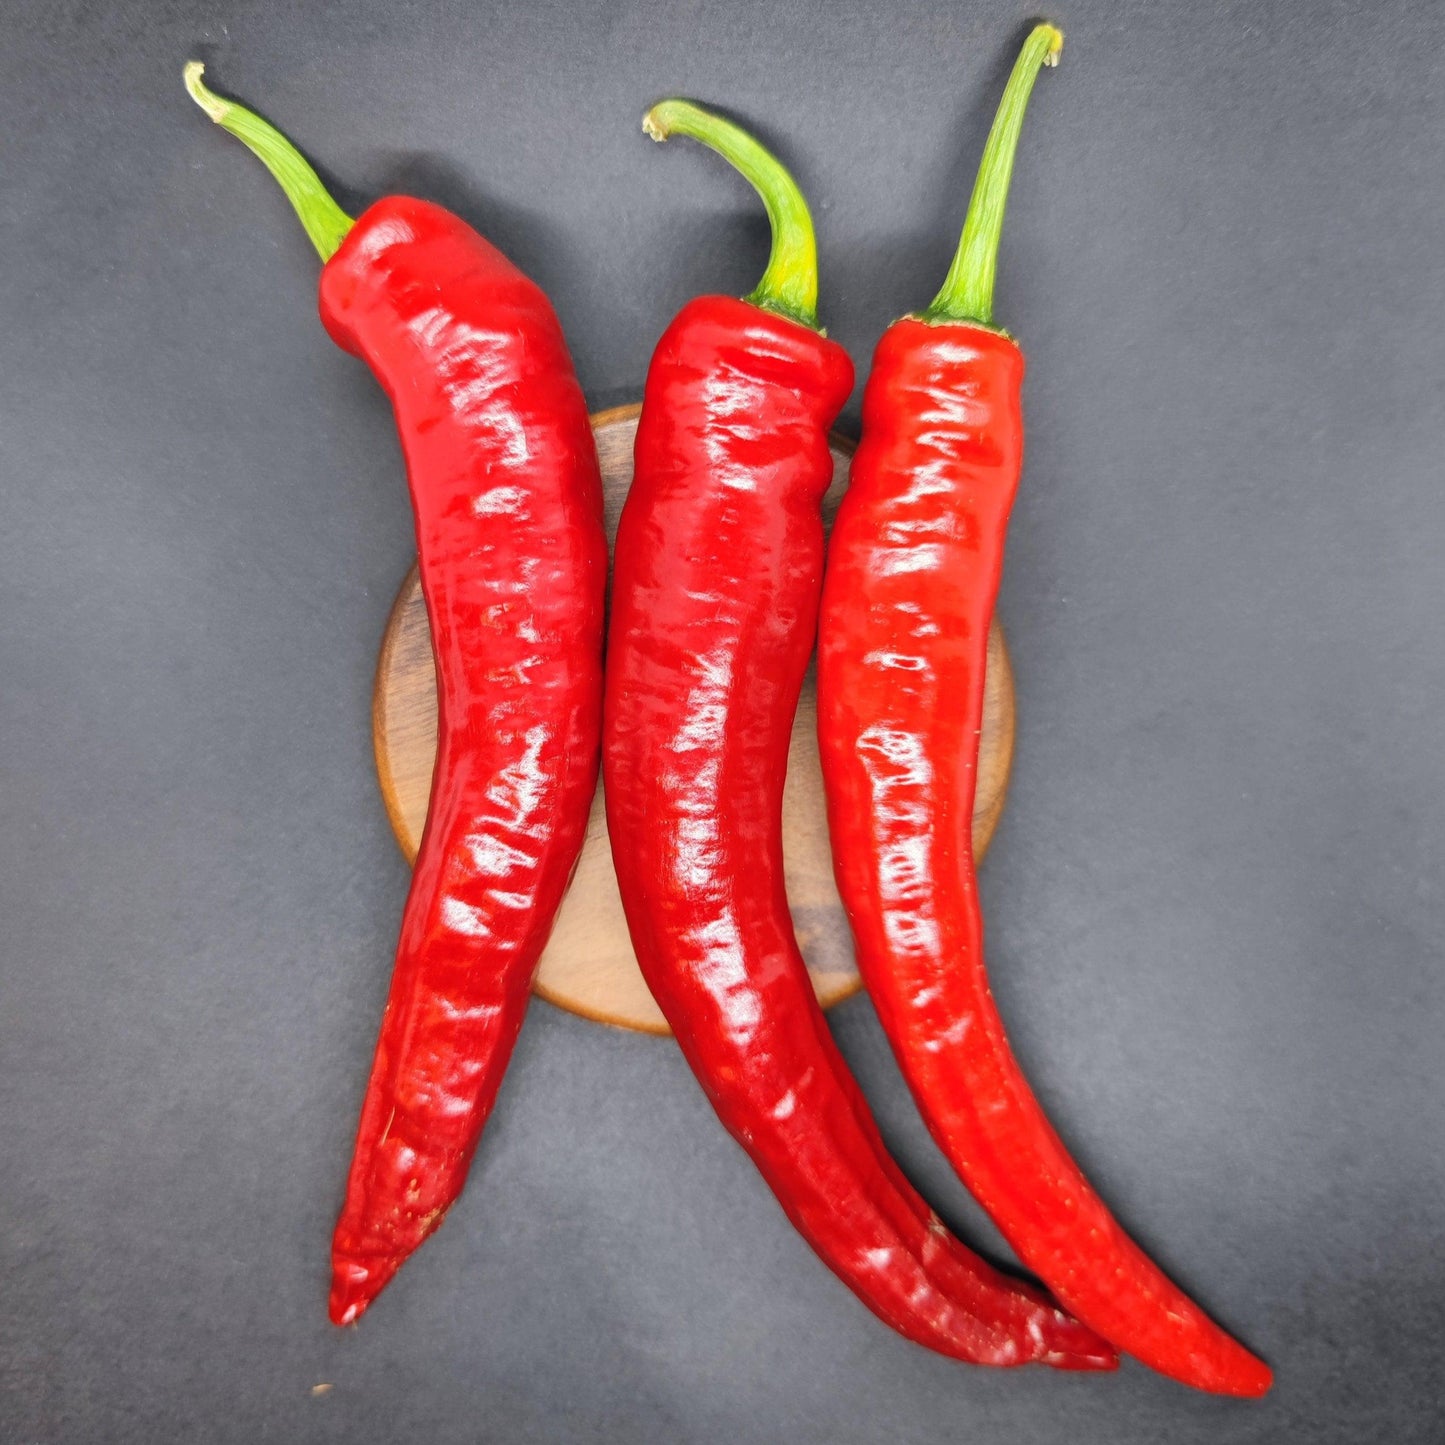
(715, 590)
(913, 570)
(508, 504)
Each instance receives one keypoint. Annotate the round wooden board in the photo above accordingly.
(588, 966)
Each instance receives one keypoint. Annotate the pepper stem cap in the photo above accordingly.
(967, 293)
(790, 283)
(325, 222)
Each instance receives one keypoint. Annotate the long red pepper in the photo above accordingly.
(716, 575)
(913, 570)
(508, 504)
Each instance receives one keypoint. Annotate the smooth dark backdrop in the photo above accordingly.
(1215, 901)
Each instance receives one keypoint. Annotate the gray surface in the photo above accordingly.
(1215, 901)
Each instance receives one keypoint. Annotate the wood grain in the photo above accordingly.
(588, 966)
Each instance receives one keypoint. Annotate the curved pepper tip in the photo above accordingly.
(1220, 1366)
(1223, 1368)
(1072, 1345)
(353, 1287)
(1253, 1380)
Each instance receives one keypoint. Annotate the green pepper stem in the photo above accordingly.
(790, 283)
(967, 293)
(325, 222)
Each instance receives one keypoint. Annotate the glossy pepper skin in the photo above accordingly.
(913, 572)
(507, 500)
(716, 574)
(717, 569)
(508, 505)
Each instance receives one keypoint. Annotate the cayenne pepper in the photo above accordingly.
(717, 570)
(504, 483)
(913, 571)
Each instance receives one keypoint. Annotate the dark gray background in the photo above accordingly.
(1215, 900)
